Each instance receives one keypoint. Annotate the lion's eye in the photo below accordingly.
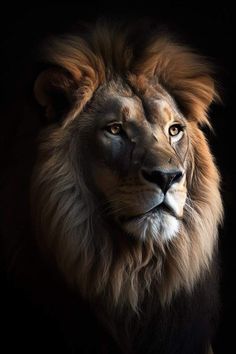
(175, 129)
(114, 129)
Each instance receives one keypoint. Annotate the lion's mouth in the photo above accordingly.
(163, 207)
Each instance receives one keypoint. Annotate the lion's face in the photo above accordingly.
(137, 159)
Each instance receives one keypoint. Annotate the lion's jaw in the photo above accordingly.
(162, 221)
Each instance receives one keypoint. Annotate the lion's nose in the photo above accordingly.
(163, 179)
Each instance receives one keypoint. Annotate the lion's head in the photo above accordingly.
(125, 192)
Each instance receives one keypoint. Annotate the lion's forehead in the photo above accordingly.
(142, 109)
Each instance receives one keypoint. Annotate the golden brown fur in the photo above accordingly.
(118, 271)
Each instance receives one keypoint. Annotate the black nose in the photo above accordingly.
(163, 179)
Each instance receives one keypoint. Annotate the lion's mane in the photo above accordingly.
(121, 270)
(104, 266)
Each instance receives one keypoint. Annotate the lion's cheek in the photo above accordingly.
(104, 180)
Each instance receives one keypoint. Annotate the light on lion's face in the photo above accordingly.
(139, 145)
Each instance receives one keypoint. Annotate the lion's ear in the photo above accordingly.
(55, 90)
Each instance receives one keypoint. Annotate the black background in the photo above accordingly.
(204, 26)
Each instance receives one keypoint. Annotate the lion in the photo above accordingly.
(125, 199)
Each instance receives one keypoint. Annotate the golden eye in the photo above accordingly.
(175, 129)
(114, 129)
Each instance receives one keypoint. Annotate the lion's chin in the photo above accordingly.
(159, 225)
